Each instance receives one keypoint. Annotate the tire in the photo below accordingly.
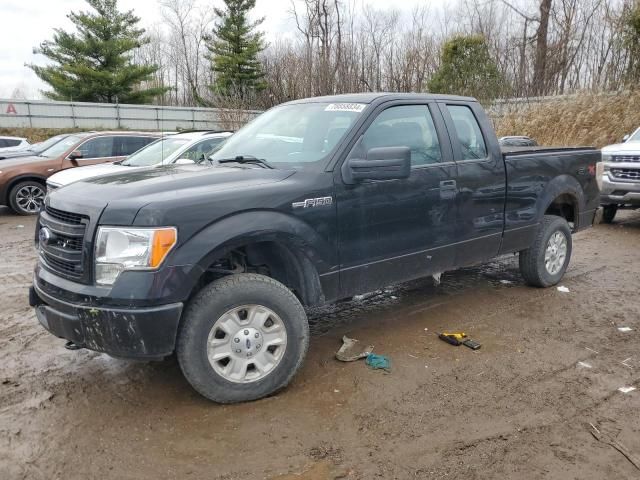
(209, 316)
(609, 213)
(26, 197)
(533, 265)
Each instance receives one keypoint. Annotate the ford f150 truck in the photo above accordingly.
(314, 201)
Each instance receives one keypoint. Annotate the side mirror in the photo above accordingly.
(75, 155)
(184, 161)
(625, 138)
(384, 163)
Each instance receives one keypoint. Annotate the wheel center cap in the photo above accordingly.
(247, 342)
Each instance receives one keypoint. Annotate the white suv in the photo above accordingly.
(620, 176)
(189, 147)
(11, 144)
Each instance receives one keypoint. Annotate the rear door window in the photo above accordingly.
(99, 147)
(125, 146)
(468, 132)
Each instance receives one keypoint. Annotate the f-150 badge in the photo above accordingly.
(313, 202)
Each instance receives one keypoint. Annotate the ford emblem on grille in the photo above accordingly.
(45, 235)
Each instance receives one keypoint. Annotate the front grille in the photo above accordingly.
(67, 217)
(626, 158)
(66, 267)
(62, 252)
(626, 173)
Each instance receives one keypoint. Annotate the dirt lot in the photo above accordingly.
(518, 408)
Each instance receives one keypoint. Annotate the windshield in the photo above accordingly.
(61, 147)
(154, 153)
(42, 146)
(295, 136)
(635, 137)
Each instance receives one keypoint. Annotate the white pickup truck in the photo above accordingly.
(621, 176)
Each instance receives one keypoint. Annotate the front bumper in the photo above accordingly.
(616, 191)
(140, 332)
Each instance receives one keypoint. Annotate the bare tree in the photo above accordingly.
(552, 46)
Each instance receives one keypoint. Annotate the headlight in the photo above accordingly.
(120, 248)
(606, 157)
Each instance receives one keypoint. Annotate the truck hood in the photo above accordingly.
(627, 147)
(122, 195)
(71, 175)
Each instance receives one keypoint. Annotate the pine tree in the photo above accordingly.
(95, 63)
(467, 68)
(234, 50)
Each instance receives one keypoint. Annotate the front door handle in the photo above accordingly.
(448, 184)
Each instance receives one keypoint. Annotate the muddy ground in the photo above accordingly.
(520, 407)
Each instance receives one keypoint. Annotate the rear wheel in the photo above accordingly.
(243, 337)
(609, 213)
(26, 197)
(546, 261)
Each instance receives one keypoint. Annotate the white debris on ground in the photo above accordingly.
(626, 389)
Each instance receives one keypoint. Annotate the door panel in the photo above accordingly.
(480, 182)
(396, 230)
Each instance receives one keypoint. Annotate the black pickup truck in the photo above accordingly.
(314, 201)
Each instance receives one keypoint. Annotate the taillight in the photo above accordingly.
(599, 174)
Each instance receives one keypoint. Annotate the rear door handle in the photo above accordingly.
(448, 184)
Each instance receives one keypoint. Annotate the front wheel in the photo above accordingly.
(243, 337)
(27, 197)
(545, 262)
(609, 213)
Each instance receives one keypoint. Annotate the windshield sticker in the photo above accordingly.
(345, 107)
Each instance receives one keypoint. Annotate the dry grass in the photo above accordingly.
(587, 119)
(36, 134)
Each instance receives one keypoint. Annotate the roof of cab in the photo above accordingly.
(372, 97)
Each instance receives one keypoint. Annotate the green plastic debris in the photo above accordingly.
(378, 362)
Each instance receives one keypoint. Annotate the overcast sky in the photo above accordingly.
(26, 23)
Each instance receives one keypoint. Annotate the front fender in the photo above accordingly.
(224, 235)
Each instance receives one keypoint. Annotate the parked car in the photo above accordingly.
(11, 144)
(314, 201)
(187, 147)
(517, 141)
(34, 149)
(23, 180)
(620, 176)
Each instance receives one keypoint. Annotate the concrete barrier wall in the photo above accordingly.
(48, 114)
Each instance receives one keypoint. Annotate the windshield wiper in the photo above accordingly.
(246, 159)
